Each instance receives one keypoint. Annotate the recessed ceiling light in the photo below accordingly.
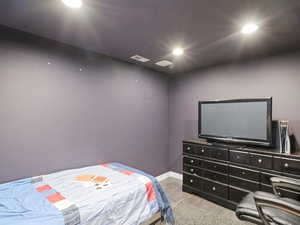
(73, 3)
(164, 63)
(249, 28)
(139, 58)
(177, 51)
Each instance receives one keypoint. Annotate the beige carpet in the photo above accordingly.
(193, 210)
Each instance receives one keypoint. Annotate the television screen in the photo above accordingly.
(243, 120)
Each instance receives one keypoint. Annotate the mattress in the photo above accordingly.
(107, 194)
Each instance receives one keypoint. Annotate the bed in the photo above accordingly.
(106, 194)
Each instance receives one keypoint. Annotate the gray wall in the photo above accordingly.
(55, 116)
(277, 76)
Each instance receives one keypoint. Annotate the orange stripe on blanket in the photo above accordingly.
(105, 164)
(56, 197)
(43, 188)
(150, 191)
(127, 172)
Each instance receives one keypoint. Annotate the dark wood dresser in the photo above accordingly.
(224, 174)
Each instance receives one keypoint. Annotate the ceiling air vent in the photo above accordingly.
(139, 58)
(164, 63)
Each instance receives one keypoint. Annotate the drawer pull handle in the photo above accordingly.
(259, 160)
(244, 173)
(237, 157)
(192, 161)
(214, 188)
(215, 166)
(191, 181)
(188, 148)
(192, 170)
(286, 165)
(202, 150)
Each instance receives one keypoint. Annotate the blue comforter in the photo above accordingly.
(107, 194)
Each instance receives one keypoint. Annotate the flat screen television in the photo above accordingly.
(241, 121)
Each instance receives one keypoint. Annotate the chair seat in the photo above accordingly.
(247, 211)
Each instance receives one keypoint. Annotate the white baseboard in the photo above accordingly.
(175, 175)
(169, 174)
(163, 176)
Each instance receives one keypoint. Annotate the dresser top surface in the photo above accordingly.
(258, 150)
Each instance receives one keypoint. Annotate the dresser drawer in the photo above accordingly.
(192, 181)
(277, 163)
(215, 176)
(215, 189)
(244, 173)
(289, 194)
(219, 153)
(265, 177)
(202, 151)
(261, 161)
(239, 157)
(193, 170)
(218, 167)
(191, 161)
(188, 148)
(286, 165)
(245, 184)
(236, 195)
(290, 166)
(266, 188)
